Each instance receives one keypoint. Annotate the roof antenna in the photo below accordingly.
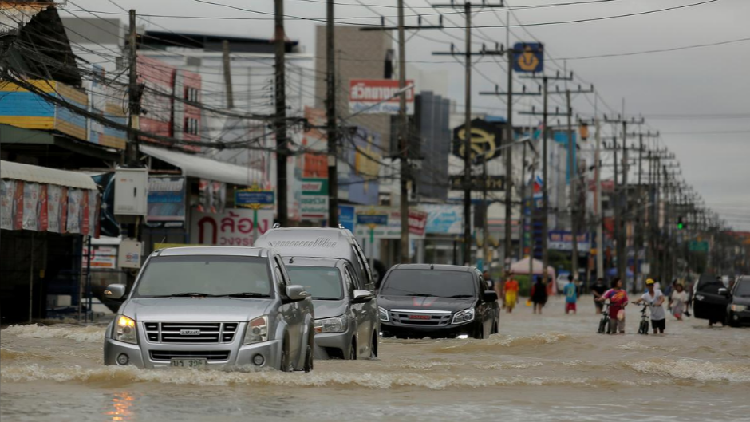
(291, 260)
(432, 266)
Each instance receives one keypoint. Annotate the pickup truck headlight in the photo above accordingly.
(257, 331)
(383, 314)
(331, 325)
(738, 308)
(125, 330)
(461, 317)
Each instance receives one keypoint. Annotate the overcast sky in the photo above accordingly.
(680, 93)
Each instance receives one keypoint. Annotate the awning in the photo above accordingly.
(36, 174)
(205, 168)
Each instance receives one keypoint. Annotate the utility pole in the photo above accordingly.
(509, 138)
(226, 60)
(403, 129)
(403, 135)
(133, 97)
(622, 197)
(333, 180)
(467, 117)
(598, 202)
(545, 116)
(573, 170)
(280, 102)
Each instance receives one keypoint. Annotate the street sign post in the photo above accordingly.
(255, 199)
(372, 220)
(695, 246)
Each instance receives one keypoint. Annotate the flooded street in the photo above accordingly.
(550, 367)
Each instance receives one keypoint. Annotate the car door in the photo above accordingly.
(292, 314)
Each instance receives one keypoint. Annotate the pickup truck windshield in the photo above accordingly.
(205, 275)
(323, 283)
(456, 284)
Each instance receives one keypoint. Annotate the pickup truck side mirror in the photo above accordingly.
(490, 296)
(115, 291)
(724, 292)
(297, 293)
(362, 296)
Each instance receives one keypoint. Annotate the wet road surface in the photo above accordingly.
(548, 367)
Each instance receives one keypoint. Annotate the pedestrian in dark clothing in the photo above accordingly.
(539, 295)
(598, 290)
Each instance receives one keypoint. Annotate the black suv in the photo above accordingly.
(738, 311)
(711, 299)
(423, 300)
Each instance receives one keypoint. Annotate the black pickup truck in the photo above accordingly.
(423, 300)
(711, 299)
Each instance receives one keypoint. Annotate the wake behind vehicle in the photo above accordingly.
(738, 311)
(423, 300)
(346, 314)
(212, 306)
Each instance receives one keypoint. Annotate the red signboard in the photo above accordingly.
(378, 96)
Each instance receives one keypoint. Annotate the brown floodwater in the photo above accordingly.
(539, 368)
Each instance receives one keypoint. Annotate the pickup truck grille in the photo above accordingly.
(209, 355)
(407, 318)
(191, 332)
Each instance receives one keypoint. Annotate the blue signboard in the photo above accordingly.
(346, 217)
(375, 219)
(528, 57)
(245, 197)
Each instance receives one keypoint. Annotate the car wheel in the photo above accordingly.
(374, 345)
(286, 357)
(352, 354)
(479, 332)
(310, 353)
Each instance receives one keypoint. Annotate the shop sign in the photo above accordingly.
(233, 227)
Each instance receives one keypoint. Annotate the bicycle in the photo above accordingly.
(604, 322)
(643, 326)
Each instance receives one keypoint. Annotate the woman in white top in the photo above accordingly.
(678, 299)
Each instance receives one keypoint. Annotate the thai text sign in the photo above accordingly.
(378, 96)
(563, 240)
(494, 183)
(232, 227)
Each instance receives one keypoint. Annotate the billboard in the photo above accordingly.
(378, 96)
(486, 139)
(443, 219)
(364, 163)
(563, 241)
(417, 223)
(166, 201)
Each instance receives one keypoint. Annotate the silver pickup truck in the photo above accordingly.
(212, 306)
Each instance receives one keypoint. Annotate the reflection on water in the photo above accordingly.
(121, 406)
(550, 367)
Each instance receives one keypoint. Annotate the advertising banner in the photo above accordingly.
(54, 197)
(364, 165)
(166, 201)
(75, 197)
(314, 199)
(233, 227)
(563, 241)
(346, 217)
(85, 221)
(43, 209)
(7, 196)
(30, 206)
(417, 223)
(103, 257)
(378, 96)
(443, 219)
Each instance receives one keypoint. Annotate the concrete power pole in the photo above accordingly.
(227, 62)
(133, 96)
(280, 101)
(467, 117)
(333, 181)
(573, 171)
(403, 136)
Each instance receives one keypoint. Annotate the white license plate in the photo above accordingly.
(189, 363)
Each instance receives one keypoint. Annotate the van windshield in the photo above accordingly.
(454, 284)
(205, 275)
(323, 283)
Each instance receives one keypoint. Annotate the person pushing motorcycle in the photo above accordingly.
(655, 299)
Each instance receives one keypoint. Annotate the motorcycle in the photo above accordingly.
(604, 323)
